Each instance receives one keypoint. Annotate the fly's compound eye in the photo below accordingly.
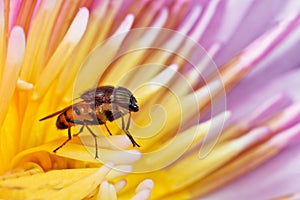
(121, 96)
(124, 98)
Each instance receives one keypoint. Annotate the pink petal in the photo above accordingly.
(277, 177)
(256, 91)
(237, 24)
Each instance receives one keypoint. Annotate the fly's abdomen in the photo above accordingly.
(61, 122)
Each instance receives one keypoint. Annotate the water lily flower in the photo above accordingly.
(216, 83)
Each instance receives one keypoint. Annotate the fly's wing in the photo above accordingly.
(56, 113)
(99, 95)
(92, 94)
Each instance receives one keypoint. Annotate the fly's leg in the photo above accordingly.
(65, 142)
(69, 137)
(107, 129)
(125, 129)
(80, 131)
(128, 121)
(95, 138)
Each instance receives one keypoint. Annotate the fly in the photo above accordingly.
(99, 105)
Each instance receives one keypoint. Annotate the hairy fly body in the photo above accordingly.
(99, 105)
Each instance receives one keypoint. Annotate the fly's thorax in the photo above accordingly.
(110, 112)
(100, 113)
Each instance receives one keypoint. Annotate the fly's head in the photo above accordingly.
(125, 99)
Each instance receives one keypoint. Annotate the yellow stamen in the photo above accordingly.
(14, 58)
(62, 54)
(23, 85)
(107, 191)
